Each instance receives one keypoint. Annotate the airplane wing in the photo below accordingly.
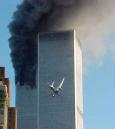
(52, 85)
(61, 84)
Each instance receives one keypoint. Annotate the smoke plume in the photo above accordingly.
(95, 19)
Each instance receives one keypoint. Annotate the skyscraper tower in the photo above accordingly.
(55, 101)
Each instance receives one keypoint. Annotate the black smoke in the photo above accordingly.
(32, 17)
(23, 42)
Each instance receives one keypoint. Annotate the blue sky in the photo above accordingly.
(98, 80)
(6, 10)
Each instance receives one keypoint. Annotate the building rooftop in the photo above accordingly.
(2, 72)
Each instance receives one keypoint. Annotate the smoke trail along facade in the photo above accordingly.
(28, 20)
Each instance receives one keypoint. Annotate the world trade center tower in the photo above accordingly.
(55, 99)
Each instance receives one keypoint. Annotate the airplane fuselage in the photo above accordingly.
(55, 91)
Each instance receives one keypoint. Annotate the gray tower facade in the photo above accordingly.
(56, 100)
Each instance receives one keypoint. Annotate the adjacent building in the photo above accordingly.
(3, 106)
(7, 113)
(12, 118)
(56, 102)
